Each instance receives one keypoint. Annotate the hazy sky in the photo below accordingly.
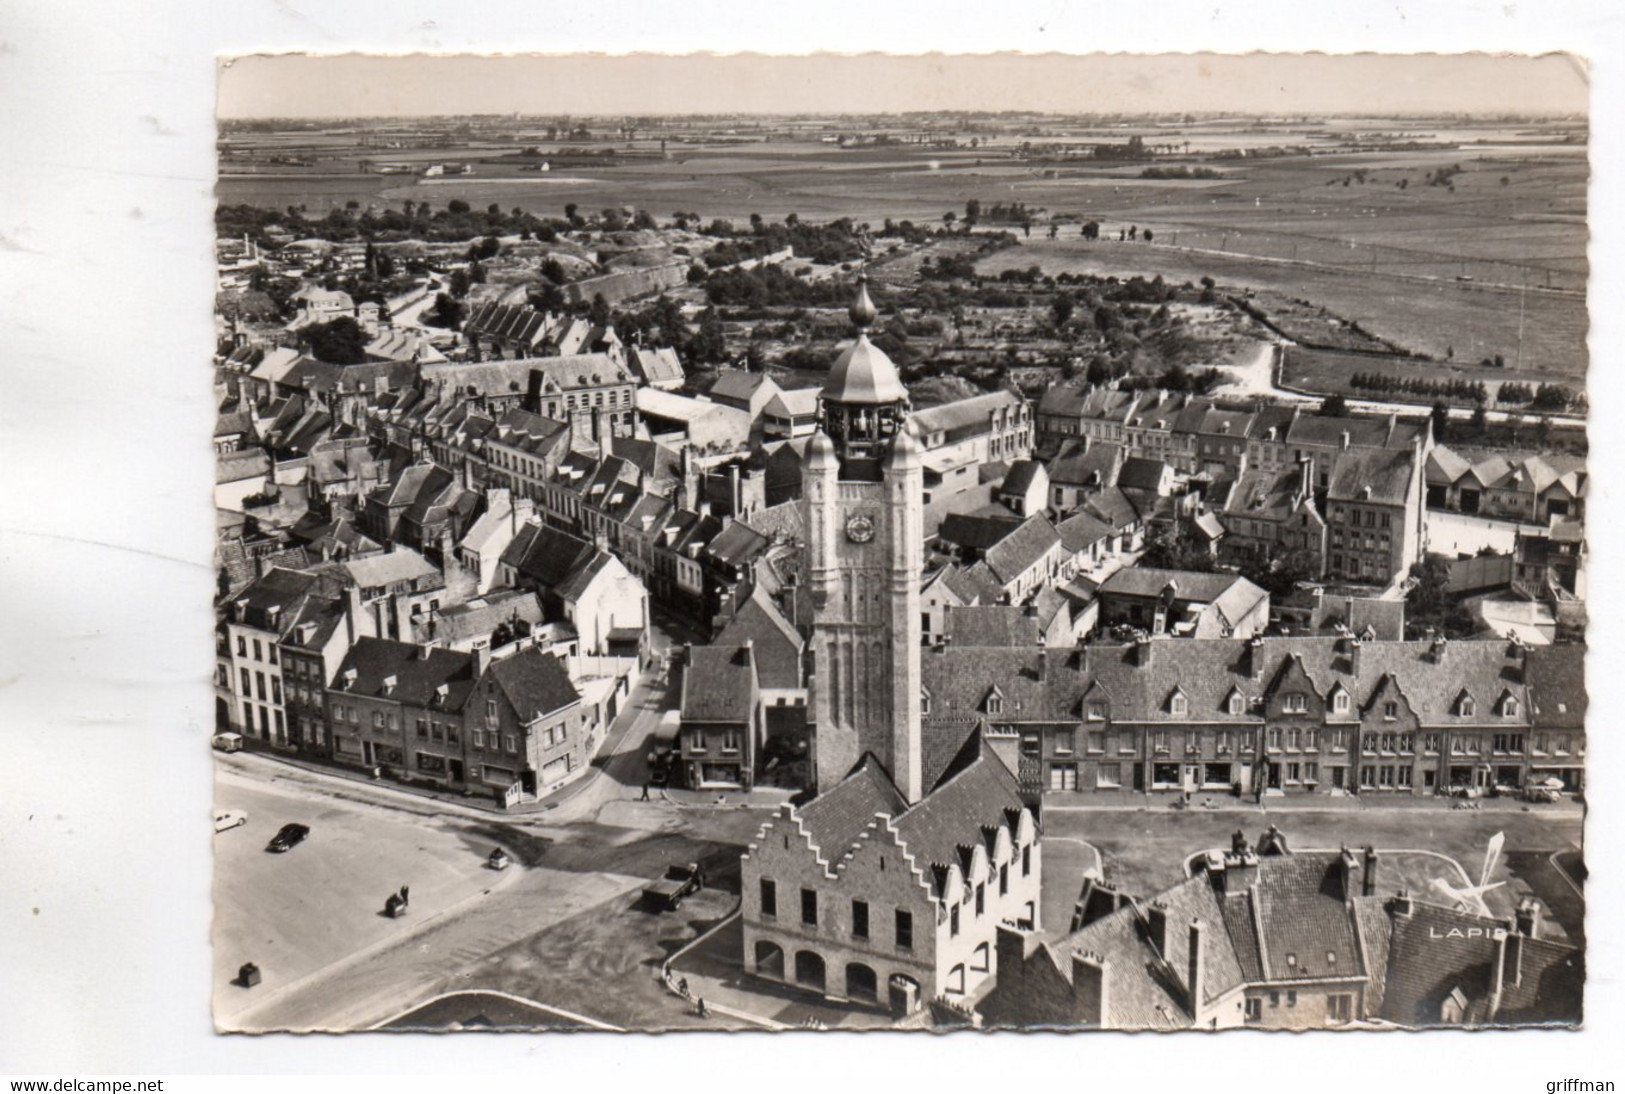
(1379, 84)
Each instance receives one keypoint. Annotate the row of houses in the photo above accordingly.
(1267, 715)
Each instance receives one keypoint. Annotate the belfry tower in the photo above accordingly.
(863, 486)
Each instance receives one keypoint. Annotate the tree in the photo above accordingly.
(447, 312)
(1334, 406)
(1178, 549)
(1441, 420)
(1480, 420)
(599, 311)
(1430, 605)
(457, 207)
(1146, 235)
(755, 359)
(1091, 230)
(458, 283)
(340, 341)
(1061, 307)
(708, 346)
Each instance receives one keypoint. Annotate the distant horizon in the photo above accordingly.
(306, 87)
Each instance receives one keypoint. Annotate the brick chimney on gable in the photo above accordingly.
(1090, 989)
(1157, 922)
(1195, 981)
(1346, 865)
(1368, 875)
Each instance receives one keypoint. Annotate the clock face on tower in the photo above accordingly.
(859, 528)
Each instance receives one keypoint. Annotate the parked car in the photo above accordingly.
(666, 894)
(227, 819)
(228, 742)
(1539, 793)
(288, 836)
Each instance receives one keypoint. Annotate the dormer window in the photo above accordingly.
(995, 702)
(1178, 706)
(1465, 707)
(1237, 704)
(1509, 707)
(1097, 711)
(1340, 701)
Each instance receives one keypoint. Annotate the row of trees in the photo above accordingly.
(1455, 388)
(1545, 397)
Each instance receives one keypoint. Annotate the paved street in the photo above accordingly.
(310, 917)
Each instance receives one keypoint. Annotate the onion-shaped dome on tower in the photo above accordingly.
(863, 403)
(863, 374)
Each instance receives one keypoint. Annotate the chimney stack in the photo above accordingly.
(1240, 871)
(1498, 966)
(1368, 877)
(1346, 864)
(1142, 650)
(1158, 917)
(1195, 982)
(1089, 988)
(1515, 943)
(1401, 904)
(1529, 915)
(482, 660)
(352, 613)
(1010, 954)
(1255, 657)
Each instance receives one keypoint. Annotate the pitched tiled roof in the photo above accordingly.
(401, 564)
(1307, 927)
(1372, 475)
(976, 532)
(1445, 466)
(1081, 531)
(1437, 950)
(1556, 677)
(656, 365)
(478, 618)
(1095, 464)
(1113, 507)
(1022, 475)
(991, 625)
(535, 682)
(1019, 551)
(418, 671)
(546, 555)
(1141, 473)
(719, 683)
(967, 415)
(942, 827)
(776, 644)
(836, 818)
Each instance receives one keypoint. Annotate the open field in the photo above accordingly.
(1491, 260)
(1430, 317)
(1325, 372)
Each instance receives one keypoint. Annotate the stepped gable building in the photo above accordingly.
(865, 898)
(884, 890)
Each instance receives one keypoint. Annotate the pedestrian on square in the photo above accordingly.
(645, 792)
(405, 896)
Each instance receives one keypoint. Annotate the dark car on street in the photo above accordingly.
(288, 836)
(665, 894)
